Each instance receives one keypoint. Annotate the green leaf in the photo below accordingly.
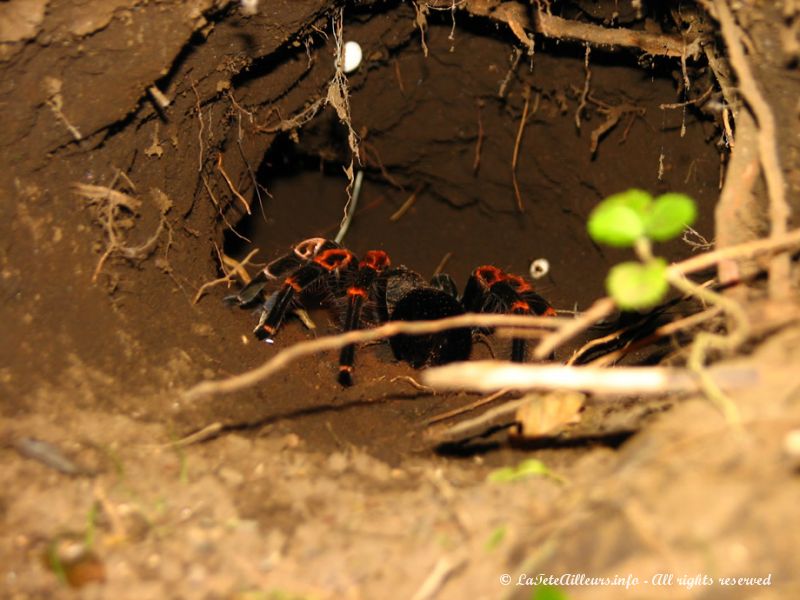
(635, 199)
(669, 215)
(527, 468)
(637, 286)
(548, 592)
(496, 538)
(619, 220)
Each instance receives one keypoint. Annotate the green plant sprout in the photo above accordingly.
(527, 468)
(634, 219)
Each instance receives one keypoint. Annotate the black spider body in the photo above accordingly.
(410, 298)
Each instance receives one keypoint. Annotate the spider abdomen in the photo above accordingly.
(427, 304)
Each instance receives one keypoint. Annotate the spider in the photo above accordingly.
(374, 292)
(490, 290)
(321, 268)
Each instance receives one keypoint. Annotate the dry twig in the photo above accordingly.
(469, 407)
(490, 375)
(334, 342)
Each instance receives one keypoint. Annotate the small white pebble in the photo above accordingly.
(352, 56)
(539, 268)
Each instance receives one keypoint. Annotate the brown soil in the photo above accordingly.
(310, 490)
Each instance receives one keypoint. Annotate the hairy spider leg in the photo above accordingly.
(278, 268)
(445, 283)
(370, 268)
(524, 301)
(538, 305)
(476, 292)
(329, 262)
(490, 290)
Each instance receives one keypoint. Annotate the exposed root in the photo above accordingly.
(199, 110)
(339, 98)
(517, 142)
(476, 163)
(350, 209)
(600, 309)
(586, 83)
(368, 153)
(231, 268)
(56, 103)
(421, 21)
(514, 14)
(219, 211)
(115, 212)
(232, 187)
(516, 55)
(413, 383)
(404, 208)
(706, 342)
(779, 270)
(296, 122)
(613, 115)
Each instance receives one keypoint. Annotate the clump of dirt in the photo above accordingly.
(149, 148)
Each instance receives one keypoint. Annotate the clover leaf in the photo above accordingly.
(638, 286)
(668, 216)
(620, 219)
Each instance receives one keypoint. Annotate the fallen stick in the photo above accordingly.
(491, 375)
(335, 342)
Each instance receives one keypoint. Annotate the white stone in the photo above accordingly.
(352, 56)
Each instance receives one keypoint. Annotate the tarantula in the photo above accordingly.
(374, 292)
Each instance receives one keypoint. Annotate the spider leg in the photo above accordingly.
(280, 267)
(375, 262)
(328, 263)
(274, 270)
(477, 291)
(445, 283)
(527, 302)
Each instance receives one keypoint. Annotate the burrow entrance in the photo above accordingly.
(453, 177)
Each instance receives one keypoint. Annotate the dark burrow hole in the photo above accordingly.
(440, 128)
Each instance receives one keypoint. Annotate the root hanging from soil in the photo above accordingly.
(613, 116)
(115, 212)
(779, 211)
(515, 157)
(231, 268)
